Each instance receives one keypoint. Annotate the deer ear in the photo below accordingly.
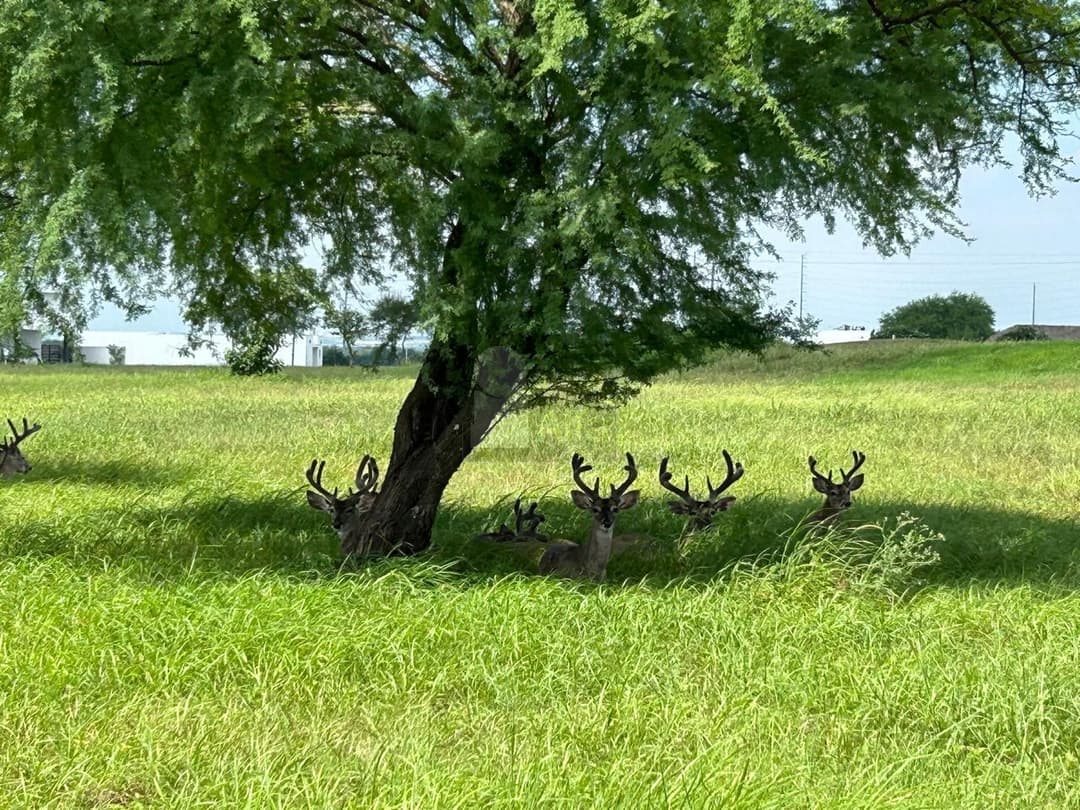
(679, 508)
(724, 504)
(822, 486)
(630, 498)
(317, 501)
(855, 483)
(580, 499)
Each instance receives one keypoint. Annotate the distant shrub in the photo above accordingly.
(117, 355)
(1024, 332)
(887, 558)
(253, 359)
(959, 316)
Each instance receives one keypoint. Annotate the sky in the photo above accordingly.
(1021, 246)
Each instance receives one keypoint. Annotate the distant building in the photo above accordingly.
(843, 334)
(1051, 331)
(32, 332)
(170, 349)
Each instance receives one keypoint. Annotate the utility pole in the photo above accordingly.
(1033, 303)
(802, 281)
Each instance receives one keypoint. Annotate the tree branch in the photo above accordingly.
(889, 22)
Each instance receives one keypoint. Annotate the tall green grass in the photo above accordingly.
(176, 630)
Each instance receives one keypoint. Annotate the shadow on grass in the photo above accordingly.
(107, 473)
(981, 545)
(280, 534)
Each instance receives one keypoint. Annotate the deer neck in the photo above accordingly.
(7, 465)
(826, 514)
(598, 550)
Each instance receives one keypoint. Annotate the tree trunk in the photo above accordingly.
(448, 411)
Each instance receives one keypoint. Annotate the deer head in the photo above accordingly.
(588, 498)
(12, 461)
(837, 494)
(525, 526)
(342, 511)
(701, 511)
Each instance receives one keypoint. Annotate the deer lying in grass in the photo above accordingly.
(590, 558)
(525, 527)
(12, 461)
(837, 494)
(343, 511)
(701, 512)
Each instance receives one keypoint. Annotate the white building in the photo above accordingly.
(167, 349)
(162, 348)
(843, 334)
(33, 331)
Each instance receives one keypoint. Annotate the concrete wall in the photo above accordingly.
(148, 349)
(95, 355)
(32, 338)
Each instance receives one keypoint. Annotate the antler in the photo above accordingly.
(367, 475)
(631, 476)
(530, 516)
(665, 482)
(734, 473)
(816, 474)
(859, 458)
(314, 477)
(28, 430)
(577, 463)
(504, 534)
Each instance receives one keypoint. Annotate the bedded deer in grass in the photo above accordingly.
(344, 511)
(526, 523)
(837, 493)
(701, 512)
(590, 558)
(12, 461)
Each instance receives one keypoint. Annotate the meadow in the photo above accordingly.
(177, 631)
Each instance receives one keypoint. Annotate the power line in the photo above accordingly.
(893, 264)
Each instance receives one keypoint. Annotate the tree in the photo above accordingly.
(350, 324)
(392, 319)
(959, 316)
(257, 308)
(556, 181)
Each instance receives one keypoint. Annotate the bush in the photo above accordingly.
(253, 359)
(958, 316)
(1024, 333)
(117, 355)
(887, 558)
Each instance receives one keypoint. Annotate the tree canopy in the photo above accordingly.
(958, 316)
(573, 190)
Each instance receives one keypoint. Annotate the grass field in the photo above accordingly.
(175, 630)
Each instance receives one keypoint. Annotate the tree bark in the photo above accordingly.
(452, 404)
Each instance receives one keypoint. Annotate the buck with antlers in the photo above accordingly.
(525, 527)
(12, 461)
(701, 512)
(590, 558)
(837, 494)
(343, 511)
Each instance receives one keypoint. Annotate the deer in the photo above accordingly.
(837, 494)
(343, 511)
(701, 512)
(590, 558)
(525, 527)
(12, 461)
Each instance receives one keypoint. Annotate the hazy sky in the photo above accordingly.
(1019, 241)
